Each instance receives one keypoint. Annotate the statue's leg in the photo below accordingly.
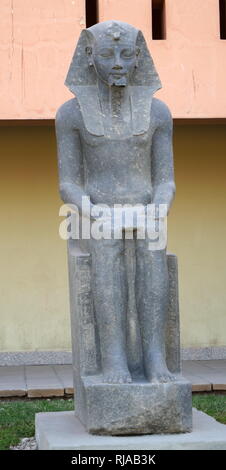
(152, 294)
(110, 298)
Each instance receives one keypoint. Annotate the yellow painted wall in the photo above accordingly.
(34, 307)
(33, 282)
(197, 232)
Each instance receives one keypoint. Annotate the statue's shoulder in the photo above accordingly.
(69, 114)
(161, 113)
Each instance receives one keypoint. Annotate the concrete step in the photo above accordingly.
(56, 380)
(64, 372)
(12, 381)
(42, 381)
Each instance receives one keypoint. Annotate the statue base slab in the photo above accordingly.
(139, 407)
(63, 431)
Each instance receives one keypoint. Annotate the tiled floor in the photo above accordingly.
(50, 381)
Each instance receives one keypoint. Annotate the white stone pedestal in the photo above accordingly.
(63, 431)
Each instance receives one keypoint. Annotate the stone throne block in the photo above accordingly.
(140, 407)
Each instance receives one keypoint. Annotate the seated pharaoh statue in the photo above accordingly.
(115, 151)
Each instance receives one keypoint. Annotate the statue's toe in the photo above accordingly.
(117, 377)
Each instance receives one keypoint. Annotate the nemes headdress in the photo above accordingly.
(82, 79)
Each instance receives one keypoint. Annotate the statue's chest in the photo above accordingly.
(117, 139)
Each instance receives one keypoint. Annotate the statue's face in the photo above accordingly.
(114, 61)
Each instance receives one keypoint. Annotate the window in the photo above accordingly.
(222, 4)
(158, 19)
(91, 12)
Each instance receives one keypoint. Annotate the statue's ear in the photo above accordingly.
(137, 55)
(82, 81)
(80, 73)
(145, 74)
(89, 53)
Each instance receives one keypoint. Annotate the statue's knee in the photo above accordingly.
(107, 251)
(143, 249)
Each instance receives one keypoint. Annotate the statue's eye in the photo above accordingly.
(128, 53)
(106, 53)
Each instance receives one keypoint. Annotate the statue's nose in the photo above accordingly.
(117, 64)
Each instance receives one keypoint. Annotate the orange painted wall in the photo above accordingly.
(38, 37)
(191, 61)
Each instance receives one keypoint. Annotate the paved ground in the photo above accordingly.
(56, 381)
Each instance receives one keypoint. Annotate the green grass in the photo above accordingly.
(17, 417)
(212, 404)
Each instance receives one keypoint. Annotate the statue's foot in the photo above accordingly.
(157, 370)
(117, 376)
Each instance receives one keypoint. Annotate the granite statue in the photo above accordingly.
(115, 148)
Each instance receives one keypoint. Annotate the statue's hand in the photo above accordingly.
(127, 218)
(130, 218)
(101, 213)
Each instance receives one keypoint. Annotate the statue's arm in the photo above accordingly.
(162, 157)
(70, 158)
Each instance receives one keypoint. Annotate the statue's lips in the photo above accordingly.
(118, 75)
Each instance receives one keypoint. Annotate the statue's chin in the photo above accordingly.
(117, 82)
